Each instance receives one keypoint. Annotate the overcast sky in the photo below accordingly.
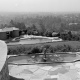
(40, 5)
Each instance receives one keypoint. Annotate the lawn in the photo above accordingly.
(53, 44)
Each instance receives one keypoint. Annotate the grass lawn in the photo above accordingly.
(53, 44)
(65, 46)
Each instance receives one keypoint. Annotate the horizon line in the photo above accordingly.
(37, 12)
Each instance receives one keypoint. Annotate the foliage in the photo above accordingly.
(69, 36)
(63, 48)
(48, 22)
(19, 50)
(48, 48)
(39, 49)
(19, 25)
(36, 50)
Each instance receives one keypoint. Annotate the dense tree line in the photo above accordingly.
(69, 36)
(46, 25)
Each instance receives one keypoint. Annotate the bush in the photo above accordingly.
(77, 49)
(19, 50)
(49, 48)
(12, 51)
(63, 48)
(36, 50)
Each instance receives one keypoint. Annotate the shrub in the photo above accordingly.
(77, 49)
(12, 51)
(63, 48)
(19, 50)
(36, 50)
(48, 48)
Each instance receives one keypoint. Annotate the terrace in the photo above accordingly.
(34, 67)
(40, 66)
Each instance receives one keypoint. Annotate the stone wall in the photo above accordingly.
(4, 74)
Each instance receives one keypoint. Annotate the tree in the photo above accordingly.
(34, 27)
(19, 25)
(12, 23)
(43, 29)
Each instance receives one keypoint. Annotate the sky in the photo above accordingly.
(39, 5)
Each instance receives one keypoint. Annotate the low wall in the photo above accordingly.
(4, 73)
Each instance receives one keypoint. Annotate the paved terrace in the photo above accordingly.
(69, 71)
(44, 71)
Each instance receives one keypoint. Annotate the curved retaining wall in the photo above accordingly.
(4, 72)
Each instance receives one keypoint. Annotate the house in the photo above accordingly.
(3, 35)
(13, 32)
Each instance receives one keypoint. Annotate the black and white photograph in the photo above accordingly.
(39, 39)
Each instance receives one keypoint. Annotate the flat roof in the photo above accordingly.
(8, 29)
